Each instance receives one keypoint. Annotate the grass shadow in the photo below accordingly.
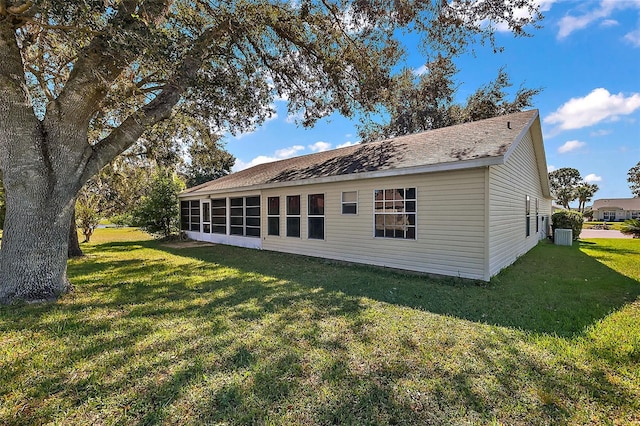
(555, 290)
(222, 334)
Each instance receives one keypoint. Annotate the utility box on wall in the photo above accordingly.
(563, 237)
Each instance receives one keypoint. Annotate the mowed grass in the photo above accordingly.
(224, 335)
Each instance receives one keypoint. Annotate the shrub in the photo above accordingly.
(567, 219)
(631, 227)
(159, 211)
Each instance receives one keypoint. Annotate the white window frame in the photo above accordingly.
(287, 216)
(316, 216)
(343, 203)
(272, 216)
(389, 209)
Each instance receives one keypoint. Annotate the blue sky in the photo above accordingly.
(586, 58)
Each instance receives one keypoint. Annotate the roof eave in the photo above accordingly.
(431, 168)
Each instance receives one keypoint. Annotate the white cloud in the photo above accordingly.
(568, 24)
(320, 146)
(295, 118)
(346, 144)
(609, 23)
(420, 70)
(280, 154)
(592, 177)
(570, 146)
(551, 168)
(522, 12)
(289, 152)
(597, 106)
(601, 132)
(633, 37)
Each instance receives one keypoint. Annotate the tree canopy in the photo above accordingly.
(567, 185)
(418, 103)
(81, 81)
(633, 177)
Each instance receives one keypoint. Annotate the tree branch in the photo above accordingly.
(155, 111)
(100, 63)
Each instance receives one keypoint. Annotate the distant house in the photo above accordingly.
(616, 209)
(465, 201)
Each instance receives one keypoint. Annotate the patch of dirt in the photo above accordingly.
(187, 244)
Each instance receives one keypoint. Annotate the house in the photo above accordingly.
(616, 209)
(465, 200)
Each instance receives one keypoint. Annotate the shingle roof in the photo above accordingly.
(620, 203)
(455, 145)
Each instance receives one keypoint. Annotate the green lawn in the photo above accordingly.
(224, 335)
(611, 225)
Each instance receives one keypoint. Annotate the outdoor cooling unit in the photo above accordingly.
(563, 237)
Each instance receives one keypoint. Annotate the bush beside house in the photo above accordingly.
(567, 219)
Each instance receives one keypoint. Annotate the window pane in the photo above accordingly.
(316, 204)
(206, 228)
(274, 206)
(293, 205)
(237, 230)
(316, 228)
(252, 201)
(216, 229)
(219, 220)
(379, 206)
(238, 221)
(410, 206)
(236, 211)
(411, 232)
(253, 221)
(349, 208)
(273, 225)
(237, 202)
(350, 197)
(195, 227)
(253, 211)
(206, 211)
(411, 194)
(253, 232)
(293, 227)
(219, 202)
(195, 204)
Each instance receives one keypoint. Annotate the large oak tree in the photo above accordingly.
(81, 81)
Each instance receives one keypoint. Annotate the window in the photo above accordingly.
(537, 214)
(244, 216)
(528, 215)
(206, 217)
(190, 215)
(350, 202)
(293, 216)
(635, 214)
(273, 216)
(236, 216)
(252, 216)
(609, 216)
(219, 216)
(395, 213)
(316, 216)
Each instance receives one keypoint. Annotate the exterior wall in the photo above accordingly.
(509, 184)
(450, 221)
(620, 215)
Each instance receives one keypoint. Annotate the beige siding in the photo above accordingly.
(509, 184)
(450, 224)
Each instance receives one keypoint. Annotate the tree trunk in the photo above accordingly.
(33, 259)
(74, 249)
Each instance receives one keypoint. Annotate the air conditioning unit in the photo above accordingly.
(563, 237)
